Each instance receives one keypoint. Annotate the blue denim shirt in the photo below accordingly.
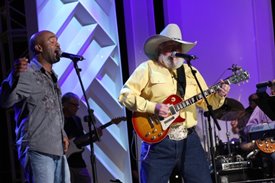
(36, 98)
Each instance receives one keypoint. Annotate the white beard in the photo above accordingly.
(170, 62)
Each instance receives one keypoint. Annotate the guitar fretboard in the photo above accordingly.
(106, 125)
(195, 98)
(233, 79)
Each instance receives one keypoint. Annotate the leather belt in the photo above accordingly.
(190, 130)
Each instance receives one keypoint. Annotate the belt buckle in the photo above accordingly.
(177, 133)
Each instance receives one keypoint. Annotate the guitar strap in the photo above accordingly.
(181, 80)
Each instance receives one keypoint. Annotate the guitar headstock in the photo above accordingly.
(237, 77)
(119, 119)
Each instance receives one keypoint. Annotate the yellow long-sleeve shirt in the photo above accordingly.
(152, 83)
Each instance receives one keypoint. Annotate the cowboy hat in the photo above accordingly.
(171, 32)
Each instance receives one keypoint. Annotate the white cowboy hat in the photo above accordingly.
(171, 32)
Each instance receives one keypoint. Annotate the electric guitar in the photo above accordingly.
(152, 128)
(264, 134)
(77, 144)
(267, 145)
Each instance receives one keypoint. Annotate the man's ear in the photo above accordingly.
(38, 48)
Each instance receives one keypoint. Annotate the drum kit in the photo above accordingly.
(228, 155)
(230, 111)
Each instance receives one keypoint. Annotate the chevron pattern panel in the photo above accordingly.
(89, 28)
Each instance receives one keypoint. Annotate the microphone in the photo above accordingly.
(183, 55)
(264, 84)
(72, 56)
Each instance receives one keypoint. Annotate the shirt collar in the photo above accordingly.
(37, 66)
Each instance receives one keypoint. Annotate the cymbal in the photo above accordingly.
(230, 110)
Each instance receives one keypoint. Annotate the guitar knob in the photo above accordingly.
(155, 130)
(147, 134)
(160, 134)
(153, 138)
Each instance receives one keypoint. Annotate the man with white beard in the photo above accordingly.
(155, 80)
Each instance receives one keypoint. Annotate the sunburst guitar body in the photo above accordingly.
(152, 128)
(267, 145)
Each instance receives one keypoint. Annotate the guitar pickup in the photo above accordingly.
(168, 120)
(172, 110)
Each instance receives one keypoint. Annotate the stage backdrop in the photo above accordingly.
(89, 28)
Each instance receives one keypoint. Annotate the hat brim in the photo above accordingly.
(151, 45)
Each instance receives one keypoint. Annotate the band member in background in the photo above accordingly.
(74, 128)
(239, 124)
(256, 118)
(149, 85)
(33, 91)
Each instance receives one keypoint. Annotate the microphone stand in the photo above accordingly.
(91, 122)
(210, 113)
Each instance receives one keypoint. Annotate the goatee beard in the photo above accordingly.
(170, 62)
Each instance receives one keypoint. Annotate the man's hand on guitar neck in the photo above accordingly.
(162, 110)
(99, 131)
(224, 89)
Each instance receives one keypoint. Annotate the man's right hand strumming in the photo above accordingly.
(162, 110)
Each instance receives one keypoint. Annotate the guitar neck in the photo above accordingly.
(106, 125)
(84, 139)
(113, 121)
(199, 96)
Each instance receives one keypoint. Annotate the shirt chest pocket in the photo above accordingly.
(158, 79)
(161, 85)
(191, 88)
